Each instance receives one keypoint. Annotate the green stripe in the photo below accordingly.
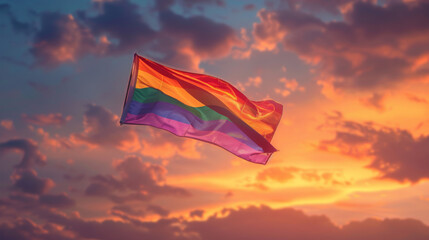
(149, 95)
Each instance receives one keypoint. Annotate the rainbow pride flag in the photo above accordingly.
(200, 107)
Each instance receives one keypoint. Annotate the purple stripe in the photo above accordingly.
(172, 111)
(186, 130)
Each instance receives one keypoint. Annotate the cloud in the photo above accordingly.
(61, 38)
(243, 223)
(416, 99)
(335, 7)
(372, 48)
(29, 148)
(376, 101)
(275, 25)
(197, 213)
(101, 129)
(121, 209)
(23, 228)
(55, 141)
(120, 22)
(186, 41)
(17, 26)
(29, 191)
(27, 181)
(287, 174)
(251, 82)
(266, 223)
(74, 178)
(258, 185)
(109, 229)
(61, 200)
(7, 124)
(51, 119)
(277, 174)
(395, 153)
(129, 213)
(186, 4)
(290, 85)
(137, 180)
(158, 210)
(117, 27)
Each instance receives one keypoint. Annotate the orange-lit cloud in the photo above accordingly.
(71, 40)
(394, 152)
(290, 85)
(417, 99)
(54, 119)
(365, 51)
(55, 142)
(7, 124)
(186, 41)
(251, 82)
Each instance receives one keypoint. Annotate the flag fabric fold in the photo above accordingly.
(200, 107)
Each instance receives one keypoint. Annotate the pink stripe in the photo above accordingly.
(185, 130)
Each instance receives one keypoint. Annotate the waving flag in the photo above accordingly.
(200, 107)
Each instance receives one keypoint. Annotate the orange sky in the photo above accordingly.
(353, 141)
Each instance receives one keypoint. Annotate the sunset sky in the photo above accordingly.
(353, 159)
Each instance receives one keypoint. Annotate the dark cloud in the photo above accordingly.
(29, 148)
(266, 223)
(128, 210)
(187, 4)
(121, 22)
(53, 119)
(185, 41)
(25, 229)
(27, 181)
(158, 210)
(61, 38)
(119, 27)
(243, 223)
(102, 129)
(330, 6)
(142, 180)
(61, 200)
(197, 213)
(388, 228)
(205, 36)
(395, 153)
(375, 46)
(74, 178)
(116, 28)
(110, 230)
(17, 26)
